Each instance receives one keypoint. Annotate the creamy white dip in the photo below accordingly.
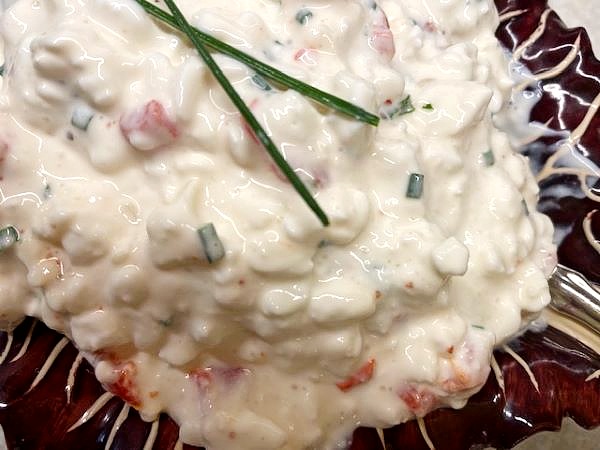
(301, 332)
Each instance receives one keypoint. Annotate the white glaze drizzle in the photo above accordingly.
(593, 376)
(533, 37)
(26, 343)
(510, 14)
(92, 410)
(151, 436)
(587, 230)
(498, 374)
(575, 135)
(9, 340)
(381, 437)
(585, 123)
(48, 363)
(71, 376)
(423, 430)
(556, 70)
(568, 146)
(118, 422)
(523, 364)
(581, 174)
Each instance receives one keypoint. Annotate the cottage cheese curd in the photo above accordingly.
(117, 145)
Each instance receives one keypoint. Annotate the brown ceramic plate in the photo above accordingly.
(40, 417)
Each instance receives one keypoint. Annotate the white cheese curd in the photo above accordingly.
(118, 146)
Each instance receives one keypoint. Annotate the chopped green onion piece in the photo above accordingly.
(488, 158)
(525, 207)
(323, 243)
(8, 237)
(261, 83)
(415, 185)
(389, 111)
(81, 118)
(428, 107)
(47, 191)
(166, 322)
(303, 16)
(478, 327)
(212, 245)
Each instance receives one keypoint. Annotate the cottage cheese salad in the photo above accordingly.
(141, 217)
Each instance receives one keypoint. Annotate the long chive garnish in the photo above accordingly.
(266, 70)
(250, 119)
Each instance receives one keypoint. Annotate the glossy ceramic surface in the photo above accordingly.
(64, 387)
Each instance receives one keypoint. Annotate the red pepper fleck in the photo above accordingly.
(419, 400)
(205, 376)
(362, 375)
(306, 55)
(151, 118)
(125, 385)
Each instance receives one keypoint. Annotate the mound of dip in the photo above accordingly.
(141, 218)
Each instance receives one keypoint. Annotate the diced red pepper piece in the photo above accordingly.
(125, 386)
(362, 375)
(148, 127)
(419, 400)
(205, 376)
(381, 38)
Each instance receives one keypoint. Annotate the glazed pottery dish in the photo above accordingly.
(297, 225)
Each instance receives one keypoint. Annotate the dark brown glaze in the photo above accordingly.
(491, 418)
(40, 419)
(565, 101)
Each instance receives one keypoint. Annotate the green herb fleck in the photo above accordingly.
(428, 107)
(415, 185)
(2, 70)
(394, 109)
(525, 207)
(303, 16)
(8, 237)
(47, 191)
(81, 118)
(261, 83)
(324, 243)
(488, 158)
(212, 245)
(479, 327)
(166, 322)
